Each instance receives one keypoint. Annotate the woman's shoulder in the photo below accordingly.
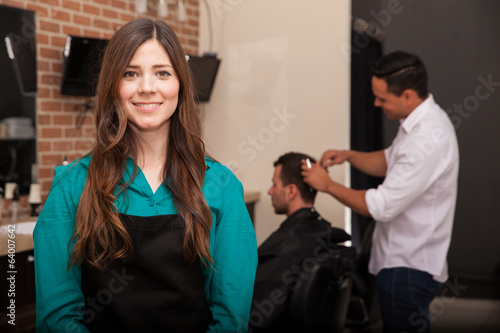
(73, 171)
(216, 169)
(218, 175)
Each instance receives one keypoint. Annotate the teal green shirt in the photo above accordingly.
(228, 284)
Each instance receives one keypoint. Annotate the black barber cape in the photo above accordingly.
(304, 234)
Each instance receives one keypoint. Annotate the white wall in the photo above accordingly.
(283, 85)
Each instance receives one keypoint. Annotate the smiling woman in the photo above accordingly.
(144, 208)
(149, 90)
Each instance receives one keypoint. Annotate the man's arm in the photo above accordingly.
(372, 163)
(318, 178)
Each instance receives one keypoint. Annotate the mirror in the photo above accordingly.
(18, 97)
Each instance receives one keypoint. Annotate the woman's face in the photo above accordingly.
(149, 89)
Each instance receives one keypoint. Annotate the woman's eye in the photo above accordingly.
(130, 74)
(163, 74)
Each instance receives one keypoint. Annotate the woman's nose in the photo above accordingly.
(147, 85)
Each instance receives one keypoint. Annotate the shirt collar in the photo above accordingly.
(408, 123)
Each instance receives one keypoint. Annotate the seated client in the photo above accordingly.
(304, 234)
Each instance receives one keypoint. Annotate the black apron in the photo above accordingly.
(153, 290)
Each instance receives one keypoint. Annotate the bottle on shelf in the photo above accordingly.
(14, 208)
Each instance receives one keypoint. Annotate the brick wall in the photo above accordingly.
(57, 133)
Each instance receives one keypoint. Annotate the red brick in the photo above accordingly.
(56, 93)
(63, 120)
(126, 17)
(50, 26)
(43, 92)
(109, 13)
(57, 67)
(42, 38)
(101, 24)
(119, 4)
(51, 79)
(51, 106)
(88, 119)
(90, 132)
(51, 132)
(54, 3)
(72, 106)
(92, 33)
(43, 120)
(50, 53)
(42, 65)
(84, 145)
(192, 23)
(52, 159)
(41, 11)
(59, 41)
(44, 146)
(63, 146)
(12, 3)
(60, 15)
(191, 11)
(45, 172)
(80, 19)
(71, 30)
(47, 184)
(109, 35)
(89, 9)
(73, 133)
(74, 5)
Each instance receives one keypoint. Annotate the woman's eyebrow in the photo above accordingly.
(154, 66)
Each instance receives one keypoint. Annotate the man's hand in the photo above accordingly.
(331, 157)
(317, 177)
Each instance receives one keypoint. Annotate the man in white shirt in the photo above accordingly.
(414, 206)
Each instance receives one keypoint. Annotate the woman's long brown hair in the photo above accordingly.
(100, 236)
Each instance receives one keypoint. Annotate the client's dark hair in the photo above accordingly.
(291, 174)
(402, 71)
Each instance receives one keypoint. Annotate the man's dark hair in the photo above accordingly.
(402, 71)
(291, 174)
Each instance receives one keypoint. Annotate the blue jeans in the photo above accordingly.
(404, 296)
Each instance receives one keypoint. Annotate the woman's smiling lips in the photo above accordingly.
(147, 107)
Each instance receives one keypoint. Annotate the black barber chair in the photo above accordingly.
(320, 301)
(363, 313)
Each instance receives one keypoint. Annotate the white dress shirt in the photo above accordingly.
(415, 205)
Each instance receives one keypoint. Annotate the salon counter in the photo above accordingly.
(16, 237)
(251, 197)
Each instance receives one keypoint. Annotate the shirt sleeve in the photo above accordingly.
(59, 300)
(234, 251)
(412, 173)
